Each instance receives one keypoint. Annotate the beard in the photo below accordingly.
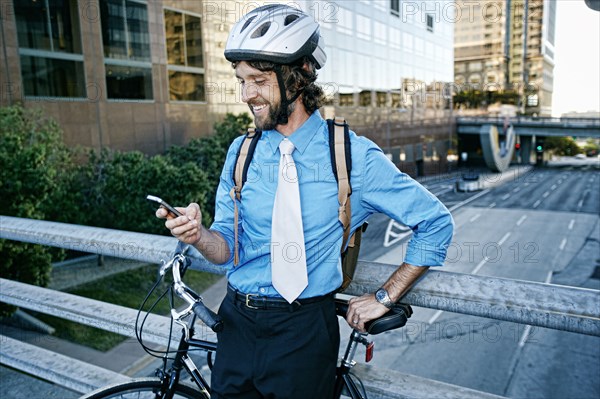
(271, 119)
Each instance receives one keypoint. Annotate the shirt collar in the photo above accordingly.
(301, 137)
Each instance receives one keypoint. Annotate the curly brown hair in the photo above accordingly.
(296, 78)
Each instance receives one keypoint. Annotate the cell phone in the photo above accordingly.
(164, 204)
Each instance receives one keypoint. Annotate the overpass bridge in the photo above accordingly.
(534, 126)
(498, 135)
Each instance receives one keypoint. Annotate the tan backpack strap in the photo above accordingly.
(236, 252)
(344, 210)
(236, 190)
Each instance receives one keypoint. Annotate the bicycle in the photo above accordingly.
(168, 385)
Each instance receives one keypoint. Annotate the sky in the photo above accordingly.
(577, 58)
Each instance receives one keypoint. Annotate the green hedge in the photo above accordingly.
(40, 178)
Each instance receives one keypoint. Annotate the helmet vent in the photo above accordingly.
(290, 18)
(261, 30)
(248, 22)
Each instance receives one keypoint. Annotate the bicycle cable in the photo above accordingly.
(152, 352)
(362, 386)
(161, 354)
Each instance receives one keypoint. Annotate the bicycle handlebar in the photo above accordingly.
(208, 317)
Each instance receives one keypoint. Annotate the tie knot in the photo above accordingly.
(286, 147)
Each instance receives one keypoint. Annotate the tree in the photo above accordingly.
(562, 145)
(34, 166)
(591, 147)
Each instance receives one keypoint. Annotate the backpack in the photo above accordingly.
(341, 163)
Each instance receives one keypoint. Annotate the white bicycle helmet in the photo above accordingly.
(277, 33)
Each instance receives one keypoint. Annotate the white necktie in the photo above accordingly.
(288, 254)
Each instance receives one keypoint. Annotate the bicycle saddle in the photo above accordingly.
(397, 317)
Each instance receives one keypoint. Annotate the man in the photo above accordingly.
(280, 342)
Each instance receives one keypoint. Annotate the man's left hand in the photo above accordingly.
(362, 310)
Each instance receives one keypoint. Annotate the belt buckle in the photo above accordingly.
(248, 301)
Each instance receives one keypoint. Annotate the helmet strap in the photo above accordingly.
(282, 118)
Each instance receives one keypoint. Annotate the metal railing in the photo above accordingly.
(533, 121)
(536, 304)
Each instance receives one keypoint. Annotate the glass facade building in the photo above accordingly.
(138, 74)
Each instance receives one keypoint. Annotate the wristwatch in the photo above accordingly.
(383, 298)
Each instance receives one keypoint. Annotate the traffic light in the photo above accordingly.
(539, 148)
(517, 146)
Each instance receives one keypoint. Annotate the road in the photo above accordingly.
(542, 226)
(539, 226)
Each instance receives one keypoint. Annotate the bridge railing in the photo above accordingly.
(537, 304)
(525, 120)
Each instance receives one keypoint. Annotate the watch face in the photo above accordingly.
(382, 297)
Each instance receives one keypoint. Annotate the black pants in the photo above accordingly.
(276, 354)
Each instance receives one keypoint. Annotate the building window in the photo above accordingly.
(128, 82)
(532, 100)
(51, 77)
(364, 98)
(429, 22)
(185, 58)
(346, 99)
(395, 7)
(125, 30)
(381, 98)
(50, 48)
(126, 49)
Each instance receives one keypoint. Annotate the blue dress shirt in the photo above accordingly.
(377, 187)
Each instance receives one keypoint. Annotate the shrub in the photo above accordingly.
(34, 168)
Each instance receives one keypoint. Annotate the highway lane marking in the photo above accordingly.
(505, 197)
(527, 329)
(479, 265)
(537, 203)
(443, 191)
(473, 198)
(521, 220)
(546, 194)
(582, 200)
(435, 317)
(503, 239)
(474, 218)
(563, 243)
(493, 204)
(571, 224)
(391, 236)
(526, 332)
(516, 190)
(553, 187)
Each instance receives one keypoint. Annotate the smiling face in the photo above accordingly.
(261, 92)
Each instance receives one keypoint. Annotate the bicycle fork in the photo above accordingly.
(343, 371)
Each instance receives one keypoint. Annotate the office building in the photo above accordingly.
(507, 46)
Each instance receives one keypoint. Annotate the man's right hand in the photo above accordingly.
(187, 228)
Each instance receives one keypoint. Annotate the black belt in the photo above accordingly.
(255, 301)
